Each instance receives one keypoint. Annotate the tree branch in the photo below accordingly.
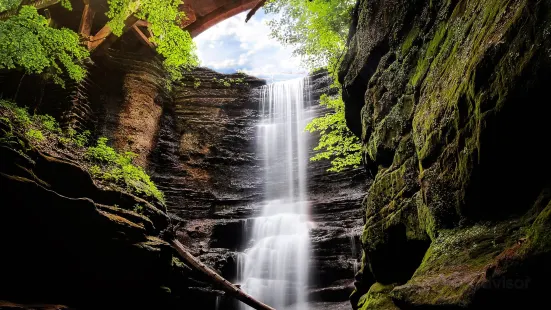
(224, 284)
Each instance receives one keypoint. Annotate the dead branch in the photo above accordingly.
(224, 284)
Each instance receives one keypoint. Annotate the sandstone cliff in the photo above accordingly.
(449, 99)
(207, 164)
(196, 138)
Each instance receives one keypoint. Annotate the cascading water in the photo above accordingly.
(275, 269)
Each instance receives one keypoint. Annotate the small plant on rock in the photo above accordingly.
(119, 168)
(35, 135)
(48, 122)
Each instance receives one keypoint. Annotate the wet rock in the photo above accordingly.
(437, 93)
(207, 164)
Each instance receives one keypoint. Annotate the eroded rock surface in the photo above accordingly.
(207, 164)
(448, 98)
(67, 241)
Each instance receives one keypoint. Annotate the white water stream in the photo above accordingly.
(275, 269)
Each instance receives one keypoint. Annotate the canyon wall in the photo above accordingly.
(207, 164)
(449, 99)
(197, 139)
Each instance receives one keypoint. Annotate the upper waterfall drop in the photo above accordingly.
(275, 268)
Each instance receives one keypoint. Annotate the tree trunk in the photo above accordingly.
(216, 279)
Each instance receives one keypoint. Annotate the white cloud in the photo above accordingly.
(228, 63)
(235, 45)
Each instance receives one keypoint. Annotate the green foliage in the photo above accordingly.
(27, 43)
(317, 30)
(6, 5)
(79, 139)
(32, 127)
(196, 84)
(138, 208)
(119, 168)
(337, 142)
(67, 4)
(102, 153)
(21, 114)
(35, 135)
(173, 43)
(96, 171)
(107, 164)
(36, 127)
(227, 82)
(49, 123)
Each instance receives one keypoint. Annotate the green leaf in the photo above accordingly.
(173, 43)
(27, 43)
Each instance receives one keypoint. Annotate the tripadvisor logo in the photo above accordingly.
(507, 284)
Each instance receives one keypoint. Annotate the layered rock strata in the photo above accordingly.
(206, 163)
(197, 138)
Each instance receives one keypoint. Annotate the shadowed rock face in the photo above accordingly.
(205, 161)
(448, 99)
(65, 240)
(334, 198)
(198, 143)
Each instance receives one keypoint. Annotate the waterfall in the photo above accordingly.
(275, 268)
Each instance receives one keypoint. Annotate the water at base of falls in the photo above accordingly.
(275, 268)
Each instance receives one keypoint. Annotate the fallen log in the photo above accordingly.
(224, 284)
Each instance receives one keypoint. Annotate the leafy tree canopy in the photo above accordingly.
(8, 4)
(173, 43)
(29, 44)
(317, 30)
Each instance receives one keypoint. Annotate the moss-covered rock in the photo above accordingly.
(66, 240)
(377, 298)
(448, 98)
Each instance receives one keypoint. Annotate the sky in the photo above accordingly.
(233, 45)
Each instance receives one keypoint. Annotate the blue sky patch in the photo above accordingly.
(234, 45)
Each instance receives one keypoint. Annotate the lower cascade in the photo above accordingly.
(275, 268)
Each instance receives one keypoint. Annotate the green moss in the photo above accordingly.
(377, 298)
(107, 164)
(443, 291)
(408, 42)
(451, 100)
(468, 249)
(34, 135)
(539, 234)
(463, 76)
(431, 51)
(388, 133)
(427, 221)
(454, 262)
